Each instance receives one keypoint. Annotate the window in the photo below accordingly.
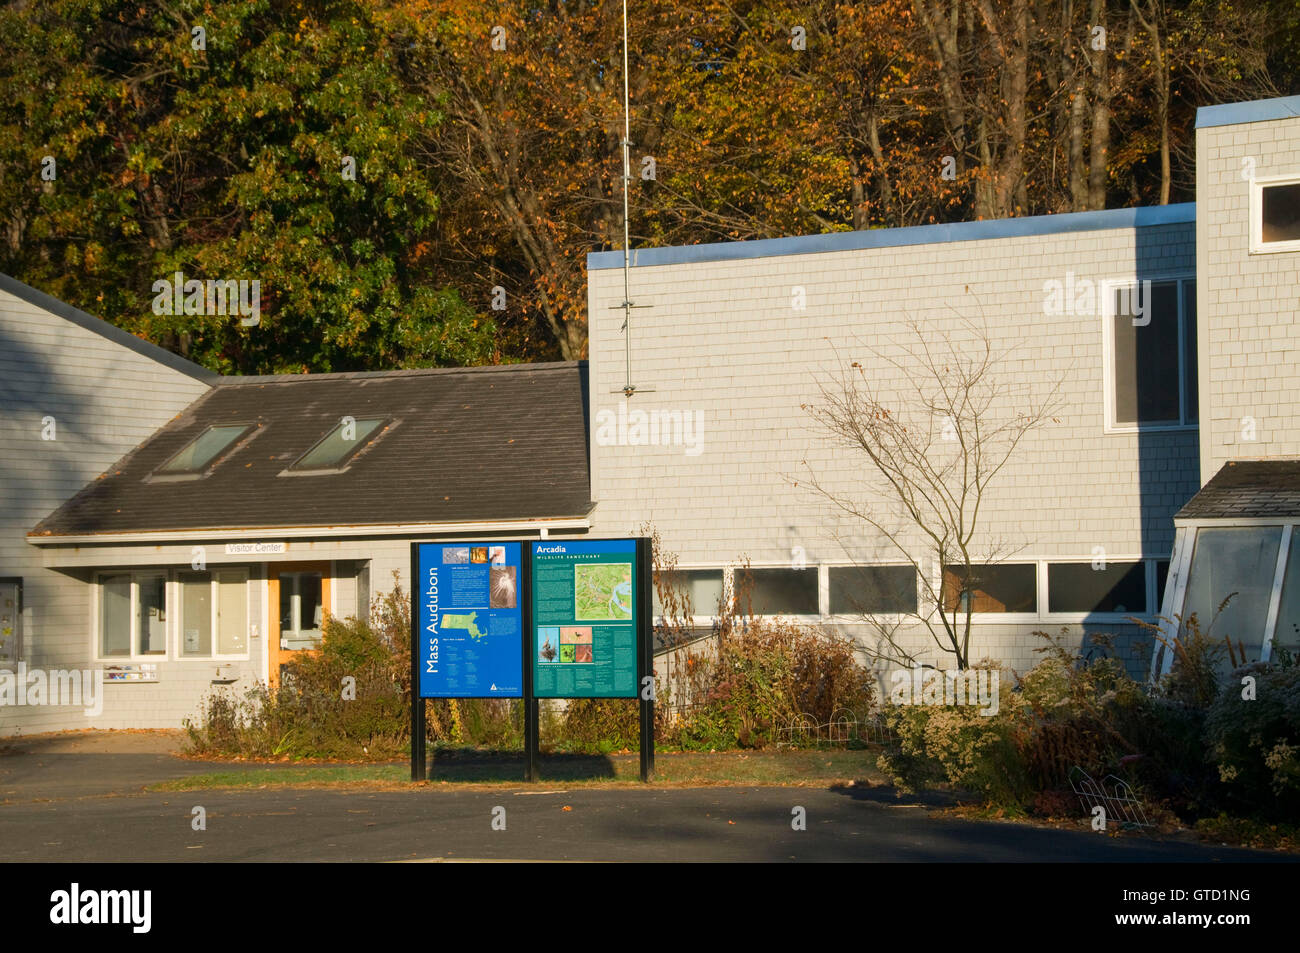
(204, 450)
(1003, 587)
(1241, 560)
(1275, 215)
(777, 591)
(338, 445)
(1162, 577)
(11, 619)
(132, 614)
(1286, 634)
(872, 590)
(301, 612)
(1152, 364)
(1078, 587)
(703, 586)
(213, 604)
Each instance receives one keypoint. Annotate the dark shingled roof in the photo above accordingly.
(1248, 489)
(464, 445)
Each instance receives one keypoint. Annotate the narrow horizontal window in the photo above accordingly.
(1084, 587)
(337, 446)
(694, 591)
(872, 590)
(204, 449)
(1002, 587)
(777, 591)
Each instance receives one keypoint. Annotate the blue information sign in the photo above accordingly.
(469, 614)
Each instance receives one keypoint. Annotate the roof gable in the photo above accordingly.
(105, 330)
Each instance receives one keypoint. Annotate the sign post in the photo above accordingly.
(419, 770)
(645, 659)
(549, 618)
(591, 626)
(467, 627)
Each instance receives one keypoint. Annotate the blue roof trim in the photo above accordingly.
(1259, 110)
(892, 237)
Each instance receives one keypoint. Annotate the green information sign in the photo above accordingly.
(584, 619)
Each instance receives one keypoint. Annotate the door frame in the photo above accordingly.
(276, 656)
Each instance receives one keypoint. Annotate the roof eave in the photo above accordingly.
(315, 532)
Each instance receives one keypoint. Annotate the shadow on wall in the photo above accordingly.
(55, 432)
(1154, 371)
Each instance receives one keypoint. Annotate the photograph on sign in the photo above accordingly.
(584, 618)
(470, 620)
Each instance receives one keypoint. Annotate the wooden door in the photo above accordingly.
(305, 604)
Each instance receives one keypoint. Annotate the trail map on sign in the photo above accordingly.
(602, 591)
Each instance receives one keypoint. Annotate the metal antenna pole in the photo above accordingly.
(627, 178)
(628, 387)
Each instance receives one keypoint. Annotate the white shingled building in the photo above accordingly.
(737, 338)
(1166, 479)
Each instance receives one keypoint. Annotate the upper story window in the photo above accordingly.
(338, 446)
(1151, 355)
(204, 450)
(1275, 215)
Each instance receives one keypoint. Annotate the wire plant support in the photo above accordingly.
(1112, 794)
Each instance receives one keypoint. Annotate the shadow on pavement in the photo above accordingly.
(509, 766)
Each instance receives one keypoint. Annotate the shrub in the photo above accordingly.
(975, 752)
(307, 716)
(1256, 742)
(599, 725)
(768, 675)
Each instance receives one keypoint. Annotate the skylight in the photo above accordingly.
(334, 449)
(203, 449)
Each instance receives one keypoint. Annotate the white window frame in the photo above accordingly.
(295, 575)
(15, 655)
(1188, 534)
(1003, 618)
(1257, 244)
(884, 618)
(96, 604)
(697, 618)
(729, 589)
(1108, 288)
(1149, 583)
(178, 615)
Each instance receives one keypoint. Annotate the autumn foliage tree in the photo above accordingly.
(485, 141)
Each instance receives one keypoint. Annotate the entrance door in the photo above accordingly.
(300, 597)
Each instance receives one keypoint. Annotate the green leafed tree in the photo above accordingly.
(231, 140)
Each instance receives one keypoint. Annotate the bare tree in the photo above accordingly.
(934, 456)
